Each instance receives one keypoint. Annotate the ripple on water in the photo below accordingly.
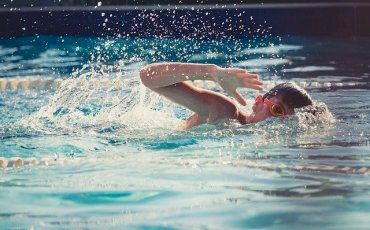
(109, 197)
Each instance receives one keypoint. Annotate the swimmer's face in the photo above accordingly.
(264, 109)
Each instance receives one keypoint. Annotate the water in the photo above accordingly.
(114, 159)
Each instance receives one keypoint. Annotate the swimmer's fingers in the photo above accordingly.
(252, 84)
(239, 97)
(249, 80)
(231, 79)
(246, 74)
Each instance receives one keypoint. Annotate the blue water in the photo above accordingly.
(116, 159)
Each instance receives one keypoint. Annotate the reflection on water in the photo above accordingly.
(111, 158)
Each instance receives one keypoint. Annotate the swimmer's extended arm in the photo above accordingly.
(169, 79)
(164, 74)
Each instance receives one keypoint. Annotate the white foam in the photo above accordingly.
(77, 108)
(207, 56)
(309, 69)
(262, 62)
(271, 49)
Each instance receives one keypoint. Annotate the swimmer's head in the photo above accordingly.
(291, 95)
(280, 101)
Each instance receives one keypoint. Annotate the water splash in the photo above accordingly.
(311, 116)
(80, 107)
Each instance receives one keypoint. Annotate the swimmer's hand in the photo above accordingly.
(232, 78)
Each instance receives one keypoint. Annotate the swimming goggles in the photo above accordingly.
(274, 109)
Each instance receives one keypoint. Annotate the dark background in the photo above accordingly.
(80, 17)
(30, 3)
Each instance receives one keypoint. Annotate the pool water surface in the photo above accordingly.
(113, 158)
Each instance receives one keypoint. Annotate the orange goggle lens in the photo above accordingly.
(274, 109)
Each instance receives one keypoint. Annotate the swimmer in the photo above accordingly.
(170, 80)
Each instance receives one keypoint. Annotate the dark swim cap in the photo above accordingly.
(290, 94)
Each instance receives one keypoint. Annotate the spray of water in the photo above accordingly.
(80, 107)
